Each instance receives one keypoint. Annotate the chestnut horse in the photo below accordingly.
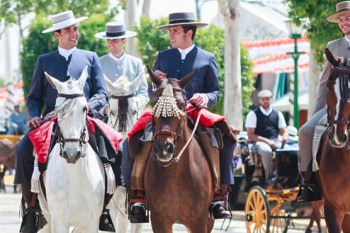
(335, 152)
(178, 182)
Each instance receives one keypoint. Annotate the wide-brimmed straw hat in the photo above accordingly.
(183, 19)
(342, 8)
(63, 20)
(115, 30)
(292, 133)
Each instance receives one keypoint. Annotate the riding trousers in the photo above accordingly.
(306, 134)
(24, 161)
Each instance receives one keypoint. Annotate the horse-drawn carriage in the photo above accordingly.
(269, 205)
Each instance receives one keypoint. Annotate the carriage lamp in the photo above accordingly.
(295, 32)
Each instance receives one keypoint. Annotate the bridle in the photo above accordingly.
(180, 129)
(83, 136)
(122, 122)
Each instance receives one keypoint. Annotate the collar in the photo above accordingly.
(66, 53)
(184, 52)
(118, 60)
(265, 112)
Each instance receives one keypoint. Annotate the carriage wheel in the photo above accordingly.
(257, 211)
(277, 224)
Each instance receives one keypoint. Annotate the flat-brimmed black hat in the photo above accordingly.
(182, 18)
(115, 30)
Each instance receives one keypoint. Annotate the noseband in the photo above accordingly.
(83, 137)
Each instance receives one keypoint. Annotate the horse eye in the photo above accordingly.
(84, 109)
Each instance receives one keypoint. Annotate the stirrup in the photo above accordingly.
(217, 210)
(138, 212)
(32, 221)
(307, 193)
(105, 223)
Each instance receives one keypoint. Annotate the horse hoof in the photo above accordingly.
(106, 222)
(308, 230)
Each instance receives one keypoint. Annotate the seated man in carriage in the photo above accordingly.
(263, 126)
(203, 91)
(67, 61)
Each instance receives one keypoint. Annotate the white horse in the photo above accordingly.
(123, 115)
(74, 179)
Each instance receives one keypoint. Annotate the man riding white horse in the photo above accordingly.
(68, 61)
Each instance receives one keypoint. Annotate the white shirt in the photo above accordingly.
(251, 119)
(118, 60)
(348, 40)
(184, 52)
(66, 53)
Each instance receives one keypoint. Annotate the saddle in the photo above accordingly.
(210, 138)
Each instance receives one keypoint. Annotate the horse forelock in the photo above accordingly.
(123, 105)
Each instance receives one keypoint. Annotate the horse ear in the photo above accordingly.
(155, 79)
(187, 79)
(54, 82)
(83, 77)
(136, 83)
(109, 83)
(331, 58)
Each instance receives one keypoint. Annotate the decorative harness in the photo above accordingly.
(123, 106)
(84, 137)
(166, 106)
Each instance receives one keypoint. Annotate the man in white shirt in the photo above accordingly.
(263, 126)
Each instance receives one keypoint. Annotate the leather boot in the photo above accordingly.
(308, 191)
(106, 223)
(138, 208)
(219, 207)
(32, 220)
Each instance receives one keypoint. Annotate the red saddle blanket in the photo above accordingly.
(207, 119)
(41, 136)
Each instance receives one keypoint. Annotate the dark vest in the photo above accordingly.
(266, 126)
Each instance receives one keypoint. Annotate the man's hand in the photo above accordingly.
(200, 100)
(160, 74)
(34, 122)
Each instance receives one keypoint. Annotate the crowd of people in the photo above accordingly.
(265, 127)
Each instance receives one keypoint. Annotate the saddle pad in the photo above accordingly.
(319, 130)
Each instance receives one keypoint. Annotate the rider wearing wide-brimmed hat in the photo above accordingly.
(339, 47)
(117, 63)
(203, 91)
(65, 62)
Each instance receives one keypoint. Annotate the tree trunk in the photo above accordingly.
(233, 86)
(146, 8)
(130, 20)
(314, 74)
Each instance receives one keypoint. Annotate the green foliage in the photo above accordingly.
(210, 38)
(320, 31)
(37, 43)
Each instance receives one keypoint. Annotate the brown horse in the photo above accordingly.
(7, 158)
(335, 152)
(179, 187)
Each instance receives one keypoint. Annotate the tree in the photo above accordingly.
(233, 96)
(319, 32)
(211, 39)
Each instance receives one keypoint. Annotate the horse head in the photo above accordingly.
(123, 103)
(169, 117)
(71, 110)
(338, 101)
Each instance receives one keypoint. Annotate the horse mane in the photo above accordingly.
(65, 108)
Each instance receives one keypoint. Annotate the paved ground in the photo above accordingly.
(10, 220)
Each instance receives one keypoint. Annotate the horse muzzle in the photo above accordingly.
(71, 154)
(163, 152)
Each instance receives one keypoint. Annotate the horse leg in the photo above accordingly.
(333, 218)
(136, 227)
(58, 226)
(159, 225)
(210, 225)
(346, 224)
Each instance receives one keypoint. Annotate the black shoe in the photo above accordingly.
(218, 210)
(32, 221)
(307, 193)
(106, 223)
(139, 213)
